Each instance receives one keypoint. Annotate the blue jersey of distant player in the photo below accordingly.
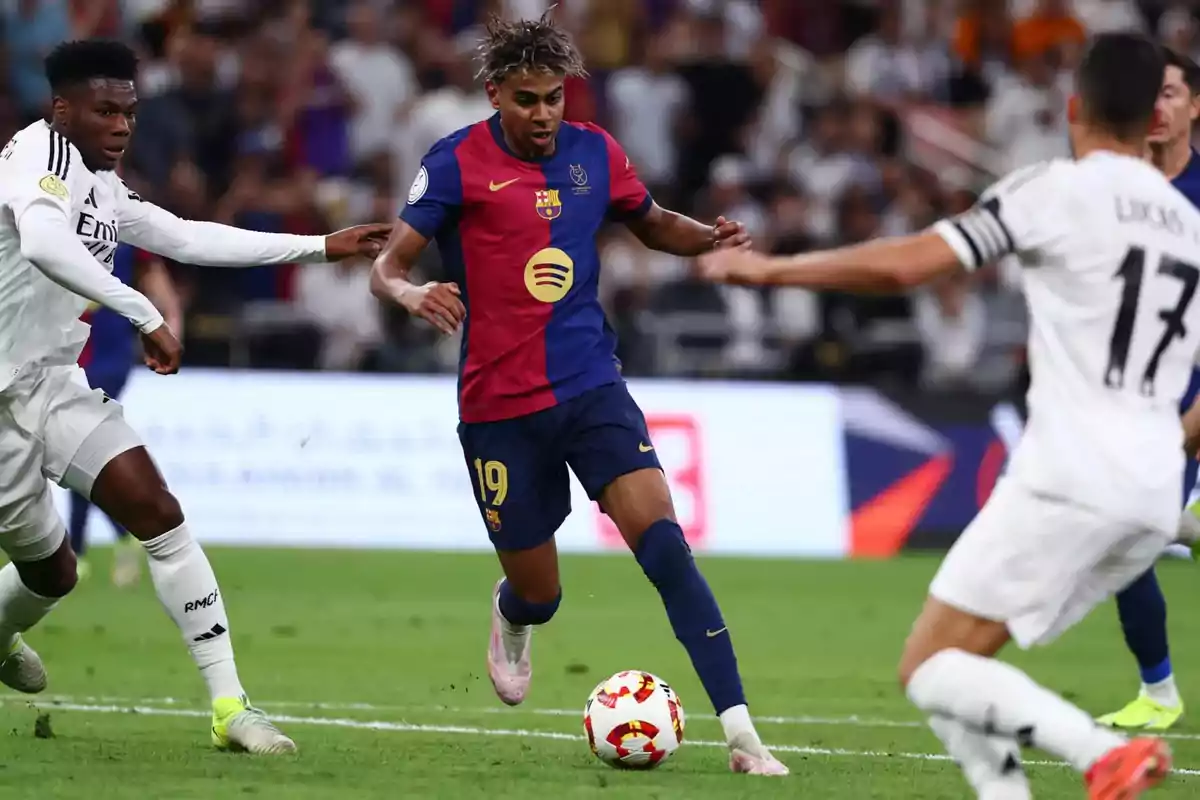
(1188, 182)
(107, 358)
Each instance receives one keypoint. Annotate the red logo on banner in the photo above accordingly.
(676, 439)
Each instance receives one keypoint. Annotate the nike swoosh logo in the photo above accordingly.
(713, 634)
(645, 448)
(495, 187)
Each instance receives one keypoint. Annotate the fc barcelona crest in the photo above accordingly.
(549, 206)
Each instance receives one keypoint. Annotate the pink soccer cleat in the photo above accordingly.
(1125, 772)
(758, 763)
(508, 655)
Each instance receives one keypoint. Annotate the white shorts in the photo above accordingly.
(46, 416)
(1040, 565)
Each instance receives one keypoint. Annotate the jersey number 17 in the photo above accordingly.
(1132, 274)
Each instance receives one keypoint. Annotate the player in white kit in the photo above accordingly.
(63, 211)
(1111, 252)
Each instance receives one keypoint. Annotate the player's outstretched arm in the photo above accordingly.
(50, 244)
(882, 265)
(151, 277)
(674, 233)
(212, 244)
(436, 303)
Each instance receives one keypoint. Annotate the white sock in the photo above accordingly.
(1163, 692)
(513, 636)
(20, 608)
(187, 588)
(991, 764)
(739, 729)
(992, 697)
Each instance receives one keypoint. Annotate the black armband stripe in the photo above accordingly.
(985, 234)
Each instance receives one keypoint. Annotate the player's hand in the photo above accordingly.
(436, 303)
(162, 352)
(730, 234)
(360, 240)
(739, 266)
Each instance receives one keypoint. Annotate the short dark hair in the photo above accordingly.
(526, 44)
(1119, 79)
(73, 63)
(1187, 66)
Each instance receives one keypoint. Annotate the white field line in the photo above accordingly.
(405, 727)
(853, 720)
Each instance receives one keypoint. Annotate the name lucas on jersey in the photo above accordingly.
(1133, 210)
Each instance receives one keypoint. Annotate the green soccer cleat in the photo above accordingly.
(238, 727)
(1143, 714)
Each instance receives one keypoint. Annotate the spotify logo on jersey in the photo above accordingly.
(549, 275)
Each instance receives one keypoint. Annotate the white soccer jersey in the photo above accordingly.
(39, 318)
(1111, 257)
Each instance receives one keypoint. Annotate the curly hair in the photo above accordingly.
(527, 45)
(79, 61)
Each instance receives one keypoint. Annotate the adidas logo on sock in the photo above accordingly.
(213, 633)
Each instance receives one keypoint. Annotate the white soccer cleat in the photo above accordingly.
(240, 728)
(509, 665)
(22, 670)
(753, 758)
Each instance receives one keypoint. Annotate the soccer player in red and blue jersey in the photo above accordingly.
(515, 203)
(107, 359)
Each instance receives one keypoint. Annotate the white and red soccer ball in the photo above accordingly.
(633, 720)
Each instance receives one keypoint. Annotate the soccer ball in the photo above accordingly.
(633, 720)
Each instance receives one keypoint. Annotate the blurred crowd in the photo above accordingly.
(815, 122)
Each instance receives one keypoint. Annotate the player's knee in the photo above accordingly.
(909, 663)
(635, 502)
(151, 512)
(55, 576)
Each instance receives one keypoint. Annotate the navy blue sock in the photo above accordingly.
(77, 524)
(695, 617)
(1143, 612)
(519, 611)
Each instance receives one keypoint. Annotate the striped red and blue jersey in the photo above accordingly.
(110, 347)
(519, 238)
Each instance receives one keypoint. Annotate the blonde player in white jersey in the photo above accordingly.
(62, 213)
(1111, 253)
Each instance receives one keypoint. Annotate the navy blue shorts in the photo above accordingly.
(519, 466)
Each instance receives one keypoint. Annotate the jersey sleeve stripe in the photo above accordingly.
(59, 159)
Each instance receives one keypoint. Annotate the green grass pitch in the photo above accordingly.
(374, 663)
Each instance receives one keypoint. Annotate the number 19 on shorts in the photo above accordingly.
(491, 477)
